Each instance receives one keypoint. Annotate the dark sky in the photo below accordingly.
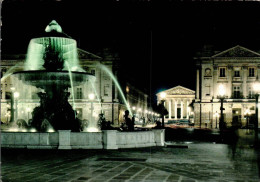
(156, 41)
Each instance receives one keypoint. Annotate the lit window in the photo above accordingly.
(79, 93)
(222, 72)
(250, 92)
(106, 90)
(236, 90)
(251, 72)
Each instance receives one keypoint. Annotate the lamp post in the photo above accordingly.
(256, 87)
(16, 95)
(216, 115)
(222, 93)
(163, 95)
(91, 98)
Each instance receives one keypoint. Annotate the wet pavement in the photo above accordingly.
(196, 162)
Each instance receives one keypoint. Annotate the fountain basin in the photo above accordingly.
(65, 139)
(43, 78)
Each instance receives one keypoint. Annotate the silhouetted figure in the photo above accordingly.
(158, 124)
(129, 123)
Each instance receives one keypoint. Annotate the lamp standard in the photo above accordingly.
(163, 95)
(256, 87)
(222, 93)
(216, 115)
(16, 95)
(91, 98)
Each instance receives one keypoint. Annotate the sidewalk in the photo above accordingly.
(199, 162)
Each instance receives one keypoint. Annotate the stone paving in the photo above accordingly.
(198, 162)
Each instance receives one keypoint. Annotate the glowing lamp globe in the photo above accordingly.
(256, 87)
(163, 95)
(91, 96)
(222, 90)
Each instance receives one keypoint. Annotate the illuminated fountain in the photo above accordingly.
(52, 71)
(52, 66)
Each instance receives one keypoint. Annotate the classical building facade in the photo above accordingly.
(178, 102)
(107, 96)
(234, 72)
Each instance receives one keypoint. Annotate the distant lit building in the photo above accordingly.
(178, 102)
(234, 72)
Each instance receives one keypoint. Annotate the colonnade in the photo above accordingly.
(178, 108)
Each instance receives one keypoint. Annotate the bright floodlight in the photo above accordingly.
(247, 112)
(216, 114)
(163, 95)
(91, 96)
(221, 90)
(16, 94)
(139, 110)
(133, 108)
(256, 87)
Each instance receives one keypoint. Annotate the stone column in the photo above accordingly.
(181, 109)
(198, 84)
(229, 85)
(176, 108)
(188, 112)
(244, 81)
(215, 78)
(170, 109)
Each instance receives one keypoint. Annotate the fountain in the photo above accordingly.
(52, 70)
(52, 65)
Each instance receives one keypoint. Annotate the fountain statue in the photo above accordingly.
(52, 66)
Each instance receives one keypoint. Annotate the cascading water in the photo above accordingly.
(52, 66)
(104, 68)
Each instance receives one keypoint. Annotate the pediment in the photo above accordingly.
(237, 51)
(82, 54)
(179, 90)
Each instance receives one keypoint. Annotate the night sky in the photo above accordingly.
(156, 41)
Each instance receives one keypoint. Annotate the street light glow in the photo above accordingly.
(16, 94)
(163, 95)
(256, 87)
(247, 112)
(221, 90)
(91, 96)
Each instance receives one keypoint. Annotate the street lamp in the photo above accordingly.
(16, 95)
(256, 87)
(91, 98)
(163, 95)
(222, 92)
(216, 115)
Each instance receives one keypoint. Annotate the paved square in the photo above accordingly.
(198, 162)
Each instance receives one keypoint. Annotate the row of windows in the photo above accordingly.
(251, 72)
(236, 94)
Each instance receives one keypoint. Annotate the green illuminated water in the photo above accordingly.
(11, 70)
(112, 76)
(65, 48)
(71, 85)
(95, 91)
